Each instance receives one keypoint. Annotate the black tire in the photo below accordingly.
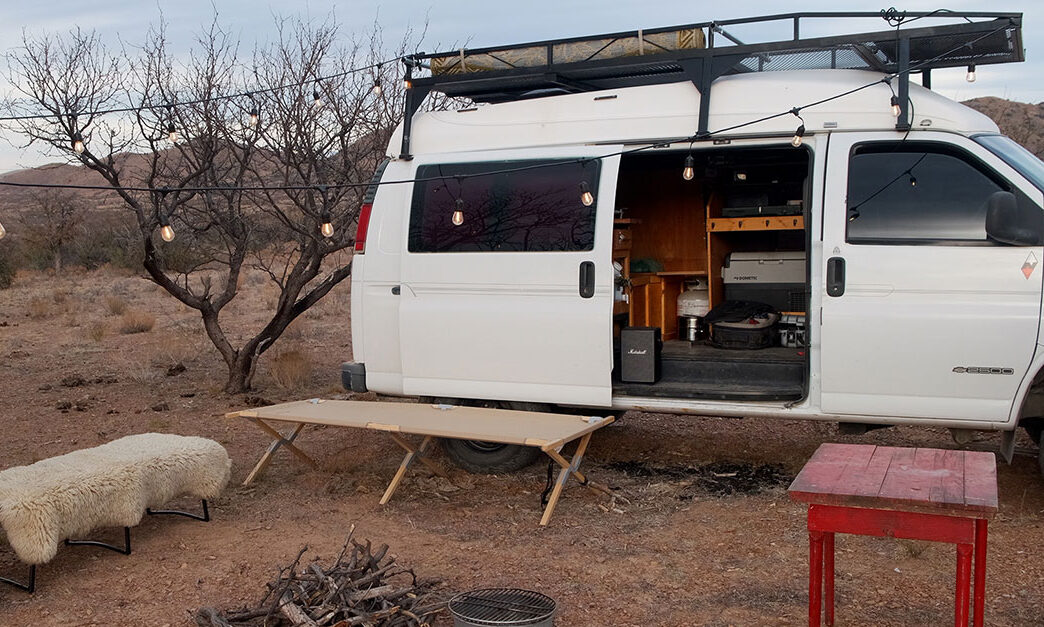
(489, 458)
(492, 458)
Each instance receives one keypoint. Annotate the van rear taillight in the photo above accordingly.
(364, 225)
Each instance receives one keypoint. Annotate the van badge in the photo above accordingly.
(1031, 263)
(635, 351)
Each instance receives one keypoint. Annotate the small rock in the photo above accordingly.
(74, 381)
(63, 405)
(112, 412)
(176, 369)
(161, 406)
(187, 394)
(44, 387)
(106, 380)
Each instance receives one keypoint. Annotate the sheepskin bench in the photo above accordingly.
(112, 485)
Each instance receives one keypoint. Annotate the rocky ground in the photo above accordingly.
(707, 535)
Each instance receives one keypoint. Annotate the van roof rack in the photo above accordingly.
(704, 51)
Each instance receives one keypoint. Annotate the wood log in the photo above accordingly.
(294, 614)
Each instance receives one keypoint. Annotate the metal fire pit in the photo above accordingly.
(502, 606)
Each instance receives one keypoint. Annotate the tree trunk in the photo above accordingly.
(241, 373)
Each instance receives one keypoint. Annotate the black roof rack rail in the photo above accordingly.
(528, 70)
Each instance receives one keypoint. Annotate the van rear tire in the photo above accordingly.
(489, 458)
(492, 458)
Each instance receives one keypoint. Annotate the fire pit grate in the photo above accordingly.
(502, 606)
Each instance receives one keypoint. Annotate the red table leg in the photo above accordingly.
(828, 577)
(964, 554)
(815, 577)
(980, 572)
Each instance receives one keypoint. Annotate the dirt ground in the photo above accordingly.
(685, 550)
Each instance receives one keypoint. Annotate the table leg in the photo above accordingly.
(828, 577)
(569, 468)
(411, 454)
(964, 554)
(815, 577)
(980, 573)
(278, 440)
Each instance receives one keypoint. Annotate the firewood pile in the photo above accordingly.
(363, 587)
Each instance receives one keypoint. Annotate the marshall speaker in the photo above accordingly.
(640, 354)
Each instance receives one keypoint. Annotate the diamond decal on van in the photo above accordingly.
(1029, 265)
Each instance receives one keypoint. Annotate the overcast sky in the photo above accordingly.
(479, 23)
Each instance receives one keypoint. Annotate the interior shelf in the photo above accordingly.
(756, 223)
(682, 273)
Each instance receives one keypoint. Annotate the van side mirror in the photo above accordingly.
(1014, 223)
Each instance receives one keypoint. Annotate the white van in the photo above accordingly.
(484, 275)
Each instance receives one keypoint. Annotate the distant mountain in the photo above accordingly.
(1020, 121)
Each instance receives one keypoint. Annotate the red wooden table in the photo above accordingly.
(913, 493)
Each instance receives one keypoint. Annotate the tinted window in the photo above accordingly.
(916, 193)
(510, 206)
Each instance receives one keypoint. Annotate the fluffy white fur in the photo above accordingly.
(107, 486)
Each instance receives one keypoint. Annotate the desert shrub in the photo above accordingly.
(7, 269)
(290, 369)
(115, 305)
(97, 331)
(39, 307)
(136, 322)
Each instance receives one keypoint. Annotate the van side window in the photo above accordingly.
(504, 206)
(917, 193)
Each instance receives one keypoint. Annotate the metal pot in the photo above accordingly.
(692, 328)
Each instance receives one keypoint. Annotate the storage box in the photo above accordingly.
(774, 278)
(640, 354)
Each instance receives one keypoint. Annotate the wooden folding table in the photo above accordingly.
(913, 493)
(548, 432)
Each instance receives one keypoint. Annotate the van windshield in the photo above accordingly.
(1025, 162)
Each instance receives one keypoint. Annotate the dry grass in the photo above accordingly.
(290, 369)
(136, 322)
(39, 308)
(115, 305)
(97, 331)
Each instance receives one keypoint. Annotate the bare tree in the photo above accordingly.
(244, 182)
(52, 223)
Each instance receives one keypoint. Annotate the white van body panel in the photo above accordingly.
(656, 112)
(376, 273)
(914, 318)
(511, 326)
(489, 325)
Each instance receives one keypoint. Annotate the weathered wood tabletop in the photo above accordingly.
(955, 483)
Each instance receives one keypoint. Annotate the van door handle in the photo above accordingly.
(835, 278)
(396, 290)
(587, 279)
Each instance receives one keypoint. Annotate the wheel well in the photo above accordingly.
(1031, 414)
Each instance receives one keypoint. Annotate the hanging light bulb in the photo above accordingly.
(853, 215)
(77, 143)
(970, 76)
(913, 180)
(3, 231)
(172, 133)
(253, 111)
(458, 214)
(317, 100)
(327, 224)
(166, 230)
(586, 196)
(408, 83)
(690, 168)
(798, 134)
(896, 109)
(377, 86)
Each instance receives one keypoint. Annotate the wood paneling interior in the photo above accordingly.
(672, 228)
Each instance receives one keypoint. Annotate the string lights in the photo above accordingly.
(586, 196)
(326, 227)
(800, 132)
(458, 213)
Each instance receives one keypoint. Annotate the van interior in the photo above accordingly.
(742, 207)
